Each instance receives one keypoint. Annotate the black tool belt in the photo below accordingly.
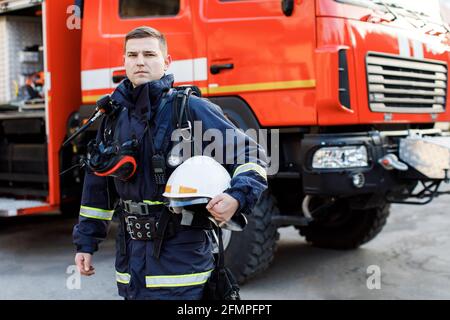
(140, 208)
(146, 228)
(142, 221)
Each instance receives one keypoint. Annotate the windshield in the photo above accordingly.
(426, 10)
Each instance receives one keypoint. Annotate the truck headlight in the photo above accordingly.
(340, 157)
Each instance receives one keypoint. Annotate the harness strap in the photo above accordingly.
(123, 242)
(181, 113)
(156, 147)
(221, 259)
(160, 231)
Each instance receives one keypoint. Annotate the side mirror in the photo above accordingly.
(287, 6)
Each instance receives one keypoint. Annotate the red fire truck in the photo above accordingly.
(354, 88)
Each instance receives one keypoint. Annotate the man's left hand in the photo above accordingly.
(222, 207)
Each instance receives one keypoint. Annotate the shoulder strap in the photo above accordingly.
(181, 117)
(157, 142)
(109, 129)
(181, 114)
(164, 99)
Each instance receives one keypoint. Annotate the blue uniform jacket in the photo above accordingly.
(186, 257)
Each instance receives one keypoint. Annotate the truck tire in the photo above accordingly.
(251, 251)
(346, 228)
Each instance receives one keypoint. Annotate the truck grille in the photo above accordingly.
(398, 84)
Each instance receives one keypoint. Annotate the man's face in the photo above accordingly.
(144, 60)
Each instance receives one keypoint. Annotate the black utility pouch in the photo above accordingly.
(159, 169)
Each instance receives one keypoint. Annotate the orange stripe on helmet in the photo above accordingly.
(184, 189)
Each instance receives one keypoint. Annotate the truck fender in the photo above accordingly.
(237, 111)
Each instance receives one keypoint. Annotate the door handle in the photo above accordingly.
(118, 76)
(287, 6)
(216, 68)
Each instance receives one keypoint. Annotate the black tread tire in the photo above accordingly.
(360, 227)
(251, 251)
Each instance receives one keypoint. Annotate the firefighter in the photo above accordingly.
(156, 256)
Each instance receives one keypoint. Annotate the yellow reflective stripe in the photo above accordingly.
(177, 280)
(250, 166)
(96, 213)
(153, 202)
(264, 86)
(90, 98)
(123, 277)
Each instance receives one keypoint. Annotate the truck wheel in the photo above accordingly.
(344, 228)
(251, 251)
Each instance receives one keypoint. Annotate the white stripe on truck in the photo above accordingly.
(187, 70)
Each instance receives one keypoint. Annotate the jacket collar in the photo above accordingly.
(145, 97)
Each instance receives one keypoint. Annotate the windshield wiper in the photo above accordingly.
(381, 2)
(418, 17)
(433, 24)
(424, 22)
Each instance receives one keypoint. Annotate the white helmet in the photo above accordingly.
(197, 181)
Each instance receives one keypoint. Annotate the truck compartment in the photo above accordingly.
(21, 58)
(23, 157)
(23, 146)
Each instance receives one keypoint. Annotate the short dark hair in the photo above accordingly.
(147, 32)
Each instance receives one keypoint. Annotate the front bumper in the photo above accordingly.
(428, 155)
(425, 152)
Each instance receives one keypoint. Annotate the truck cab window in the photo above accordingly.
(146, 8)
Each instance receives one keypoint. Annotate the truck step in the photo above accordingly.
(9, 207)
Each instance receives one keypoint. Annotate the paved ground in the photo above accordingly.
(412, 254)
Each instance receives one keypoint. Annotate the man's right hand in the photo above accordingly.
(83, 263)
